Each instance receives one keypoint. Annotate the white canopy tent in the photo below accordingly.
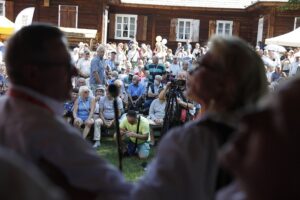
(291, 39)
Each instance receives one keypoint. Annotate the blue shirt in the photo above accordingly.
(68, 106)
(98, 65)
(84, 108)
(136, 90)
(111, 65)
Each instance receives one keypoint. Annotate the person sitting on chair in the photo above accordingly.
(135, 133)
(135, 93)
(83, 111)
(106, 112)
(99, 93)
(156, 115)
(152, 90)
(69, 106)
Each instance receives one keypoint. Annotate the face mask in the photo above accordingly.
(156, 82)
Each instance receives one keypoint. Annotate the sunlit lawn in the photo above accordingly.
(132, 168)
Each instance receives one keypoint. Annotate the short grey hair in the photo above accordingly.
(115, 74)
(101, 47)
(158, 77)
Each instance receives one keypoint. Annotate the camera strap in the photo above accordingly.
(137, 132)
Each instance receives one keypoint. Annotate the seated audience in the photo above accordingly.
(106, 112)
(135, 93)
(135, 133)
(69, 106)
(153, 90)
(99, 93)
(83, 112)
(156, 115)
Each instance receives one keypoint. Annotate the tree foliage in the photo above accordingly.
(292, 5)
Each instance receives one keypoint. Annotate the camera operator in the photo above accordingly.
(184, 109)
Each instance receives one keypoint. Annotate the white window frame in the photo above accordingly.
(3, 3)
(224, 22)
(295, 22)
(184, 26)
(116, 26)
(76, 22)
(260, 30)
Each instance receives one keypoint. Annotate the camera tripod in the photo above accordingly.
(172, 110)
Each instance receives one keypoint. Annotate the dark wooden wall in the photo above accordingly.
(89, 12)
(159, 21)
(282, 22)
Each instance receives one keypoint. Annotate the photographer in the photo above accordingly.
(183, 110)
(135, 132)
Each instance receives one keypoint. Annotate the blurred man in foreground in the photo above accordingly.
(31, 122)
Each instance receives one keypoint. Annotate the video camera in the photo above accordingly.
(175, 83)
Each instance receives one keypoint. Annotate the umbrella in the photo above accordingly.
(275, 47)
(6, 27)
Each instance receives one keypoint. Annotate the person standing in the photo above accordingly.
(155, 69)
(98, 64)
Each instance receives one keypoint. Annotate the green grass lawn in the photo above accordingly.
(132, 168)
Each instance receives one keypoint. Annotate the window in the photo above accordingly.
(68, 16)
(297, 22)
(125, 26)
(260, 30)
(2, 8)
(184, 29)
(224, 28)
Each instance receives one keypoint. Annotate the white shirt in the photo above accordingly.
(36, 134)
(294, 67)
(133, 55)
(84, 66)
(175, 69)
(56, 106)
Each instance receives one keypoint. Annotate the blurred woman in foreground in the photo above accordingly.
(229, 79)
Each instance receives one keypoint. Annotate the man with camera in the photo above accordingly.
(178, 110)
(135, 133)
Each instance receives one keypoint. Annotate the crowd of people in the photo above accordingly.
(223, 93)
(280, 65)
(144, 78)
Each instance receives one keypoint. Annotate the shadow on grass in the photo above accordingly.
(132, 168)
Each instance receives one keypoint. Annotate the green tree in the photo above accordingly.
(292, 5)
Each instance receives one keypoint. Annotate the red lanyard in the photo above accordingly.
(23, 96)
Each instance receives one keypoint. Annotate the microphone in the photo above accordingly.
(113, 90)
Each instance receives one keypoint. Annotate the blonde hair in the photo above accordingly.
(83, 89)
(241, 68)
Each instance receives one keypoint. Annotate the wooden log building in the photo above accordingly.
(175, 20)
